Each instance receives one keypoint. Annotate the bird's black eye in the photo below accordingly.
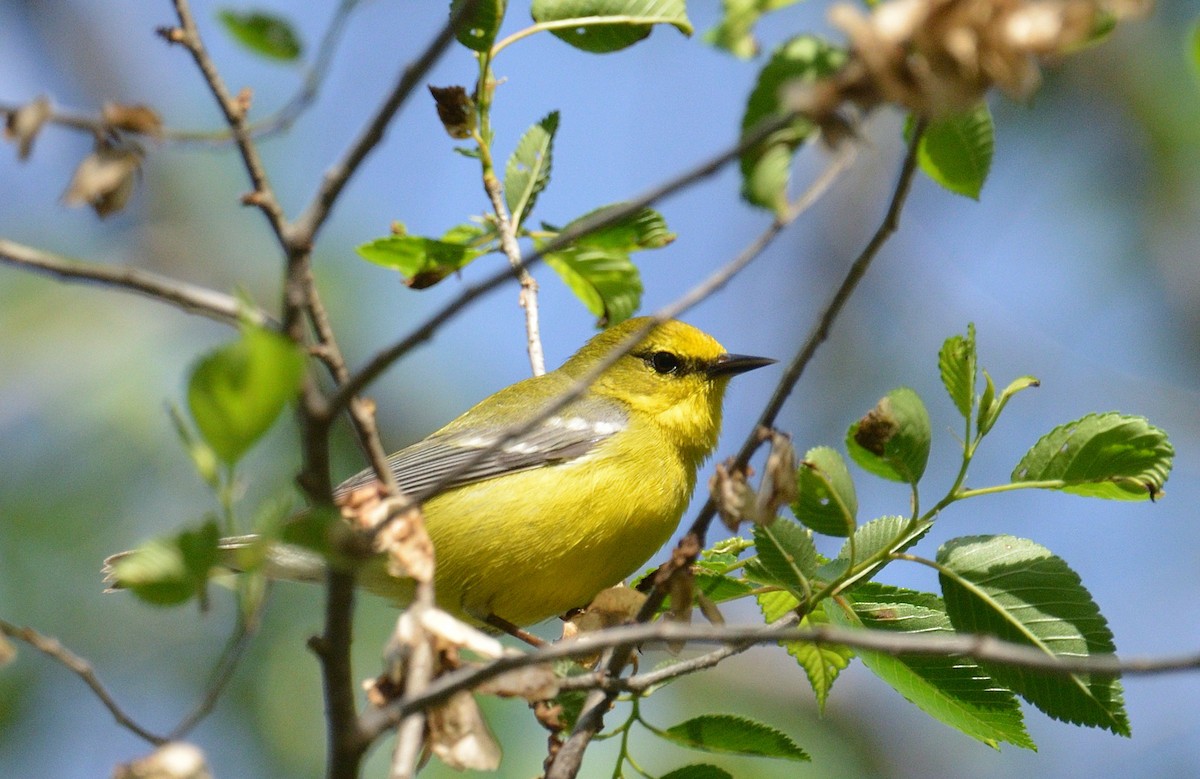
(663, 362)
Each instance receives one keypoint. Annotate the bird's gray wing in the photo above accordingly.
(562, 437)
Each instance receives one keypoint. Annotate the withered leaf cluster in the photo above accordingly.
(940, 57)
(106, 177)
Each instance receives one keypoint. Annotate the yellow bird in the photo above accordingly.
(541, 525)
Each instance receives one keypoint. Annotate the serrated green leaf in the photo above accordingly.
(952, 690)
(698, 771)
(825, 496)
(528, 169)
(734, 735)
(822, 663)
(643, 229)
(786, 556)
(989, 409)
(766, 168)
(956, 364)
(869, 540)
(719, 588)
(236, 392)
(956, 151)
(1111, 455)
(264, 34)
(169, 571)
(1020, 592)
(477, 27)
(606, 280)
(892, 440)
(597, 267)
(582, 23)
(735, 32)
(422, 262)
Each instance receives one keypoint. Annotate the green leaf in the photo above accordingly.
(170, 571)
(1019, 591)
(719, 589)
(956, 363)
(1109, 455)
(236, 392)
(892, 440)
(956, 151)
(528, 170)
(422, 262)
(698, 771)
(822, 663)
(602, 26)
(605, 280)
(786, 556)
(643, 229)
(991, 406)
(477, 27)
(825, 497)
(952, 690)
(735, 735)
(766, 168)
(735, 33)
(264, 34)
(597, 267)
(868, 540)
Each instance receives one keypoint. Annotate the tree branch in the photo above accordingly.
(986, 649)
(193, 299)
(83, 669)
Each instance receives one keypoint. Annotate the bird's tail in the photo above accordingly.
(286, 562)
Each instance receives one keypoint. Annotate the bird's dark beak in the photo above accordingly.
(733, 364)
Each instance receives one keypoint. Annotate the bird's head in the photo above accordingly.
(675, 378)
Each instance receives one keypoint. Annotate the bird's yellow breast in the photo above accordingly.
(493, 558)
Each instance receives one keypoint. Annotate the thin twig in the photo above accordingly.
(234, 111)
(384, 359)
(418, 673)
(189, 297)
(222, 672)
(273, 124)
(529, 288)
(83, 669)
(984, 649)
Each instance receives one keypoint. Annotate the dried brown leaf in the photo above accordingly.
(134, 118)
(460, 737)
(23, 125)
(456, 110)
(104, 179)
(176, 760)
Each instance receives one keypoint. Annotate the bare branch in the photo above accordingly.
(190, 298)
(83, 669)
(529, 288)
(234, 109)
(985, 649)
(222, 672)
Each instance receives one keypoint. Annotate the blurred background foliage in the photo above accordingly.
(1079, 265)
